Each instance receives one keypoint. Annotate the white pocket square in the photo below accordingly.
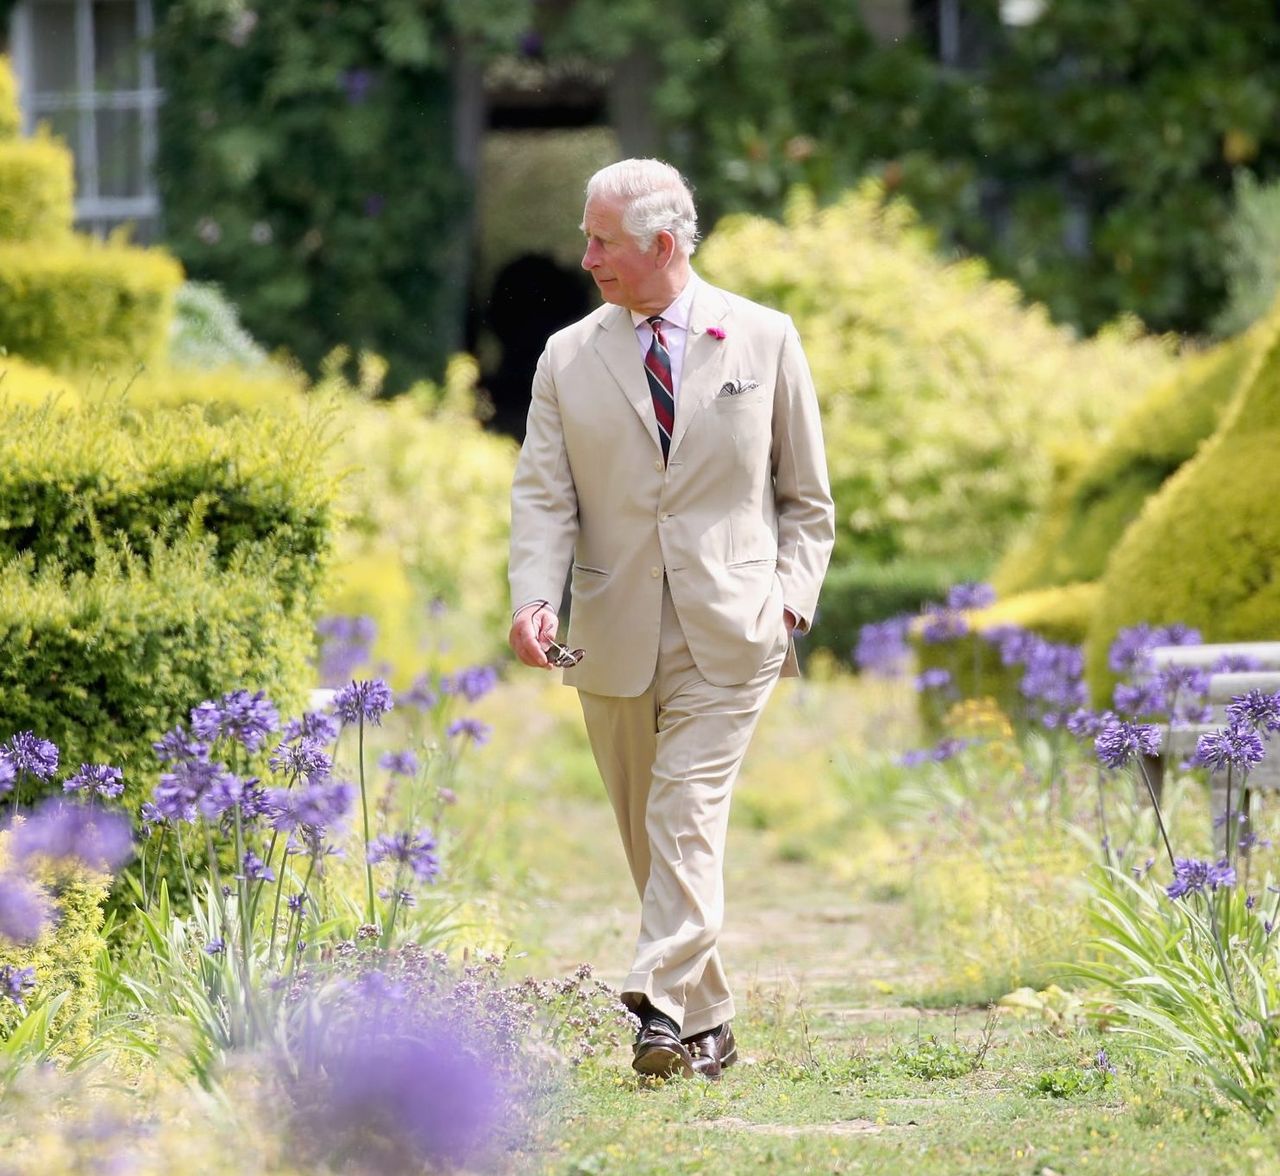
(737, 387)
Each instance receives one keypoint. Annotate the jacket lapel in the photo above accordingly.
(703, 359)
(617, 348)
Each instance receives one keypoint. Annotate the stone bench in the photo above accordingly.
(1179, 742)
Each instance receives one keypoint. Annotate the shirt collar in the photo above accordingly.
(677, 314)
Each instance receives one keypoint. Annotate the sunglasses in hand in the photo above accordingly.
(562, 656)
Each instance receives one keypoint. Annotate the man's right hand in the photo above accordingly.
(531, 629)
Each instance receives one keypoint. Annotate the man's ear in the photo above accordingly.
(665, 245)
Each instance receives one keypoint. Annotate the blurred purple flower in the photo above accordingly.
(943, 625)
(8, 773)
(966, 596)
(255, 870)
(31, 754)
(215, 947)
(16, 982)
(882, 647)
(368, 699)
(357, 85)
(473, 729)
(224, 793)
(402, 1097)
(1085, 724)
(417, 851)
(933, 679)
(375, 204)
(473, 683)
(1054, 679)
(1234, 746)
(1143, 699)
(178, 745)
(179, 791)
(1236, 663)
(915, 757)
(304, 760)
(316, 805)
(346, 643)
(948, 749)
(400, 763)
(24, 909)
(1119, 741)
(1014, 642)
(62, 830)
(420, 695)
(103, 779)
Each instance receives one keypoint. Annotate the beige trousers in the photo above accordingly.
(669, 759)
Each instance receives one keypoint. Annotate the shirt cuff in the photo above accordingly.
(800, 624)
(527, 604)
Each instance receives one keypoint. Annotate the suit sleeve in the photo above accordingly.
(802, 492)
(544, 502)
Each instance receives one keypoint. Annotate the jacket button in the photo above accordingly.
(657, 465)
(663, 517)
(655, 572)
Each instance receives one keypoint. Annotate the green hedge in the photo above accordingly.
(10, 119)
(71, 483)
(1206, 549)
(86, 303)
(1100, 498)
(104, 663)
(37, 193)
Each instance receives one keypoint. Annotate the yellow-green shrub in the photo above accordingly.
(36, 190)
(220, 393)
(1206, 548)
(10, 117)
(30, 385)
(84, 303)
(65, 956)
(1094, 502)
(941, 390)
(1059, 614)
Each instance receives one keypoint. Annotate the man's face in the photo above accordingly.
(625, 274)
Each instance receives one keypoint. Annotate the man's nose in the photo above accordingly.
(589, 256)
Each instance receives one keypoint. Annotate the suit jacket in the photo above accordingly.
(739, 520)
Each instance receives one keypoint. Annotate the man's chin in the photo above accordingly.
(609, 291)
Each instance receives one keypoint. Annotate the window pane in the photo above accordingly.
(53, 35)
(119, 152)
(66, 125)
(115, 45)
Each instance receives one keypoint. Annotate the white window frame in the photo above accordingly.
(94, 211)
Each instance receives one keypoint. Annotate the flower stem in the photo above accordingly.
(1155, 804)
(370, 913)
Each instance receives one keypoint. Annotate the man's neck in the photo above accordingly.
(676, 279)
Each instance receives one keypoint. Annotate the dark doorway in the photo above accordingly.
(533, 297)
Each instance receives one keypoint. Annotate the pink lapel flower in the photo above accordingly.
(716, 332)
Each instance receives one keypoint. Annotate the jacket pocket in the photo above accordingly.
(589, 571)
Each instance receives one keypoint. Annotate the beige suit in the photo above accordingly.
(680, 574)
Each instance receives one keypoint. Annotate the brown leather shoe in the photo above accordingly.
(713, 1052)
(659, 1053)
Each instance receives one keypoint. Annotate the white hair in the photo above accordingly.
(654, 197)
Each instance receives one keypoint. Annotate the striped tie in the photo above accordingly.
(657, 366)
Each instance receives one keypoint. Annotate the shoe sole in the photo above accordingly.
(658, 1062)
(729, 1058)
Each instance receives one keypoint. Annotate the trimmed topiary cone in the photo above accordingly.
(1205, 550)
(10, 118)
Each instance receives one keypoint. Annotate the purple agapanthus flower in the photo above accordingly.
(247, 718)
(1130, 651)
(215, 947)
(30, 754)
(1191, 876)
(65, 831)
(24, 909)
(177, 745)
(473, 683)
(1236, 663)
(103, 779)
(1118, 742)
(966, 596)
(317, 725)
(882, 647)
(346, 643)
(1053, 681)
(417, 851)
(179, 791)
(366, 700)
(421, 695)
(472, 729)
(255, 870)
(8, 773)
(1014, 643)
(1234, 746)
(947, 749)
(400, 763)
(306, 759)
(224, 792)
(915, 757)
(1256, 709)
(316, 805)
(16, 982)
(1142, 699)
(1085, 724)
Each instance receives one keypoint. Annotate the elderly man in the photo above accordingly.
(674, 460)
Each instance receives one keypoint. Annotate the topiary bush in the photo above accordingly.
(109, 476)
(1205, 551)
(37, 192)
(84, 303)
(206, 331)
(941, 391)
(1099, 496)
(103, 661)
(10, 116)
